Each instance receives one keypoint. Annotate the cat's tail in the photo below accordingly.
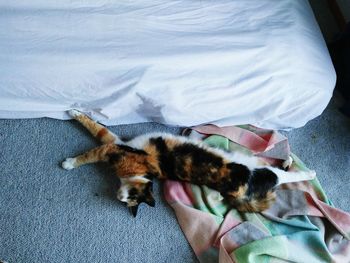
(97, 130)
(256, 203)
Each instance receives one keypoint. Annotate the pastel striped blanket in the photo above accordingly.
(302, 226)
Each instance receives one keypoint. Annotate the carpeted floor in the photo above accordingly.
(52, 215)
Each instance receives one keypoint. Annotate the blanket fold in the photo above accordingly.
(301, 226)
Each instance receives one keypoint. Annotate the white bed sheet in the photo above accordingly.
(179, 62)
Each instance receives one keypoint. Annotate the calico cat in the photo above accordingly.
(245, 182)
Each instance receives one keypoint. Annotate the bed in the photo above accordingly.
(177, 62)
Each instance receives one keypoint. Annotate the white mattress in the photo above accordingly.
(179, 62)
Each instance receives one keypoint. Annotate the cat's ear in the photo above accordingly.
(150, 201)
(133, 209)
(148, 198)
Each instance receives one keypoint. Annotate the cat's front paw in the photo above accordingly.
(74, 113)
(69, 164)
(287, 163)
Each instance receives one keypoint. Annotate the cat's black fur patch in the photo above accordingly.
(199, 155)
(133, 192)
(239, 175)
(166, 160)
(261, 181)
(130, 149)
(172, 162)
(150, 176)
(114, 157)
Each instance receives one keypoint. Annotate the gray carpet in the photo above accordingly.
(52, 215)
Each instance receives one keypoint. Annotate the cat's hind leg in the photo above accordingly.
(287, 163)
(97, 130)
(292, 176)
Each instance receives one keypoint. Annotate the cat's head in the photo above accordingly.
(135, 170)
(136, 190)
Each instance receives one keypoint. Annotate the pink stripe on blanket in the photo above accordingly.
(339, 218)
(192, 222)
(175, 192)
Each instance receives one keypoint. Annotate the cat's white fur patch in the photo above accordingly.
(74, 113)
(292, 177)
(287, 163)
(69, 164)
(123, 192)
(134, 179)
(126, 185)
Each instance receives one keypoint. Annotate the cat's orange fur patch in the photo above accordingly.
(257, 204)
(132, 164)
(223, 172)
(188, 169)
(101, 133)
(152, 159)
(171, 143)
(240, 192)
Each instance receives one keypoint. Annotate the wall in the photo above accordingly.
(325, 19)
(345, 8)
